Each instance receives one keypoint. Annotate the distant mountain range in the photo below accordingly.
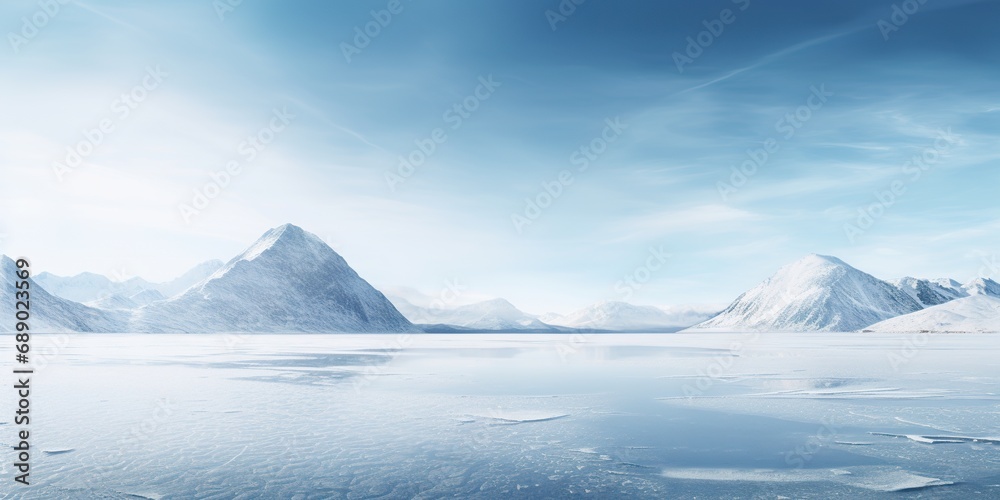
(90, 287)
(625, 317)
(50, 313)
(491, 315)
(288, 281)
(291, 281)
(821, 293)
(501, 316)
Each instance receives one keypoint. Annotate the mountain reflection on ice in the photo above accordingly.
(488, 416)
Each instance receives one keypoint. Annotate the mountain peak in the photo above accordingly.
(815, 293)
(821, 260)
(290, 229)
(287, 232)
(289, 280)
(286, 237)
(498, 303)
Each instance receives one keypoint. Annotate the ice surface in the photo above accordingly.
(495, 416)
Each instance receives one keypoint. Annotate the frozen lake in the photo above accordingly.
(489, 416)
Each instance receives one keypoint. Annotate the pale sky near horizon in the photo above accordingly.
(882, 86)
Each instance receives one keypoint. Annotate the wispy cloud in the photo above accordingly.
(109, 17)
(772, 57)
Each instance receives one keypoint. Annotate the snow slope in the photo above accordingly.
(816, 293)
(288, 281)
(196, 275)
(622, 316)
(49, 313)
(975, 313)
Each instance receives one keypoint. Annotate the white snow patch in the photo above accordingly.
(881, 479)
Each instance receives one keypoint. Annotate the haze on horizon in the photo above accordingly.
(836, 110)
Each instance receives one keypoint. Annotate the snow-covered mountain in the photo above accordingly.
(930, 292)
(291, 281)
(94, 288)
(816, 293)
(975, 313)
(288, 281)
(982, 286)
(489, 315)
(89, 287)
(625, 317)
(49, 313)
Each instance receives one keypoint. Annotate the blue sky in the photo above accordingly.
(663, 183)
